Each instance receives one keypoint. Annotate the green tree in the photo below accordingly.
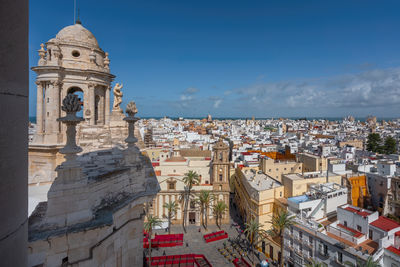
(360, 263)
(252, 231)
(204, 200)
(390, 145)
(152, 221)
(172, 208)
(315, 264)
(374, 143)
(191, 178)
(281, 221)
(219, 210)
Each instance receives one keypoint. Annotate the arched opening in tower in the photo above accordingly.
(79, 92)
(96, 109)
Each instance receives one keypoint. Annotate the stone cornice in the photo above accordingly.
(47, 69)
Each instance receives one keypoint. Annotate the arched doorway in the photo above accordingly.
(79, 92)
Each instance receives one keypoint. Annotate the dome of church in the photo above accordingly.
(77, 34)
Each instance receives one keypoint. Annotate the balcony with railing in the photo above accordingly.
(307, 243)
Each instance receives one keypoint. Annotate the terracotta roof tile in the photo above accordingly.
(385, 224)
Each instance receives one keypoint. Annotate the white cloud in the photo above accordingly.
(375, 88)
(217, 103)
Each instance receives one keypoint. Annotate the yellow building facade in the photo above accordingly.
(277, 168)
(255, 194)
(312, 163)
(297, 184)
(358, 189)
(258, 196)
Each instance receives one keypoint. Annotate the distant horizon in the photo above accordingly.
(362, 119)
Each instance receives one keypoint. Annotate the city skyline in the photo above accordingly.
(241, 60)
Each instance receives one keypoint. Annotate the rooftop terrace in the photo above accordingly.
(260, 181)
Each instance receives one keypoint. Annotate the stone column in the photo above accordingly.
(48, 122)
(14, 102)
(71, 105)
(132, 152)
(107, 106)
(57, 107)
(91, 87)
(39, 108)
(102, 106)
(63, 127)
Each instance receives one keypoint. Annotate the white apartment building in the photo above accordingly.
(356, 234)
(320, 202)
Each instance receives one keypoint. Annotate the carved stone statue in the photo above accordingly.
(117, 96)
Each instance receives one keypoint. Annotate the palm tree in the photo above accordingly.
(172, 208)
(204, 199)
(219, 210)
(152, 221)
(281, 221)
(369, 263)
(252, 230)
(191, 178)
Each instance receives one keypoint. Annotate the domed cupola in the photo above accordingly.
(71, 62)
(75, 47)
(77, 35)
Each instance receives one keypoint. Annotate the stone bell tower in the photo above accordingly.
(220, 174)
(71, 62)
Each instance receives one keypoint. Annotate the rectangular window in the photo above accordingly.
(370, 234)
(359, 228)
(220, 177)
(345, 223)
(340, 257)
(171, 186)
(325, 250)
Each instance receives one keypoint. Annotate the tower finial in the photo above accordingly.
(78, 21)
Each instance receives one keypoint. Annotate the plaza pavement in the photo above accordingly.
(193, 242)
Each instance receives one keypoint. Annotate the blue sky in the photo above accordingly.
(241, 58)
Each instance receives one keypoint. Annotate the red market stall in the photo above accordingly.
(241, 263)
(215, 236)
(184, 260)
(171, 240)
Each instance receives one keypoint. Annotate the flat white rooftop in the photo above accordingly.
(260, 181)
